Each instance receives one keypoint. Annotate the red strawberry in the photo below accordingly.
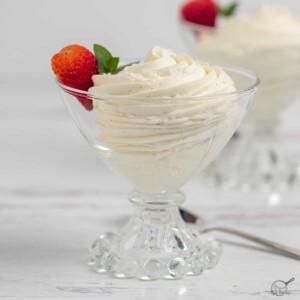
(74, 66)
(203, 12)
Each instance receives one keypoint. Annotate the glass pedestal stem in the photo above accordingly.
(156, 243)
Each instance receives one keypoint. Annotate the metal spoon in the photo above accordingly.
(291, 252)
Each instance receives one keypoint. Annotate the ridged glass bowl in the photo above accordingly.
(157, 153)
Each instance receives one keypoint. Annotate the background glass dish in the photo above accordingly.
(252, 159)
(156, 243)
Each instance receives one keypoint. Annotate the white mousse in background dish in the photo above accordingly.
(164, 118)
(267, 42)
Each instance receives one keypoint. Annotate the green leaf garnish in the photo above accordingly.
(229, 10)
(124, 66)
(113, 65)
(106, 62)
(102, 56)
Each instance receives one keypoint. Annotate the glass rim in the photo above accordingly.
(242, 71)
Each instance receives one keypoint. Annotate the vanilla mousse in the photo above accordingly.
(267, 42)
(164, 118)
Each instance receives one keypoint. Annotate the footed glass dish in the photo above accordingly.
(254, 159)
(157, 151)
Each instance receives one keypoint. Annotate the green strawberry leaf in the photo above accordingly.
(124, 66)
(102, 56)
(229, 10)
(112, 64)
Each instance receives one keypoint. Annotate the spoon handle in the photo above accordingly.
(295, 253)
(291, 280)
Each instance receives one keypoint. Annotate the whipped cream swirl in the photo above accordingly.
(150, 106)
(164, 75)
(156, 121)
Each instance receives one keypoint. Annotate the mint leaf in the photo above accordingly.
(103, 56)
(112, 64)
(228, 10)
(106, 62)
(124, 66)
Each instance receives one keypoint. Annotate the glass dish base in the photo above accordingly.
(252, 161)
(155, 244)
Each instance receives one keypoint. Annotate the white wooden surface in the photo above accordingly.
(56, 197)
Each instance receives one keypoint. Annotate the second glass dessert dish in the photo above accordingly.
(156, 123)
(267, 42)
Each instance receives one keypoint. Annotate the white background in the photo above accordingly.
(32, 30)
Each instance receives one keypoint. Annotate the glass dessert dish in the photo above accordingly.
(267, 42)
(156, 140)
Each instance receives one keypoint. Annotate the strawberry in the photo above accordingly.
(203, 12)
(74, 66)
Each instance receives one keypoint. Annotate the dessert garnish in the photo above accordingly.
(205, 12)
(75, 65)
(108, 63)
